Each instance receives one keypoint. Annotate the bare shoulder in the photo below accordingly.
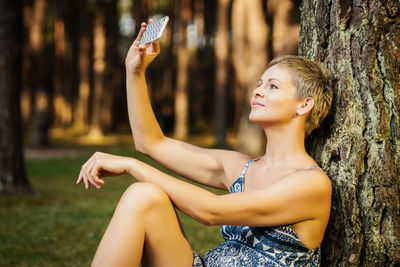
(318, 178)
(313, 182)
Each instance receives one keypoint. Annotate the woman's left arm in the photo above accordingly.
(296, 198)
(190, 199)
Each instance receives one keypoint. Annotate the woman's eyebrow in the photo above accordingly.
(270, 79)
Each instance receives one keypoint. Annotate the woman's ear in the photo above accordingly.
(305, 106)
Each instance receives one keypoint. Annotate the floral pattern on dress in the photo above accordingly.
(258, 246)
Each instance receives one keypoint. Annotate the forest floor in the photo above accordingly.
(61, 224)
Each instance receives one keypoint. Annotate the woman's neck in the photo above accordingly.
(285, 144)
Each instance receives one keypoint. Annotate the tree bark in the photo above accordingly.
(250, 60)
(359, 145)
(221, 54)
(12, 171)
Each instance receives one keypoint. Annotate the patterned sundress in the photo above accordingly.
(258, 246)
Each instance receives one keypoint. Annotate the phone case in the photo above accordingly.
(154, 30)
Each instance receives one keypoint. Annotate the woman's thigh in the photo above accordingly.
(165, 242)
(145, 224)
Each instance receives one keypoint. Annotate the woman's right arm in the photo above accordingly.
(211, 167)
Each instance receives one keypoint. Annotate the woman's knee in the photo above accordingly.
(144, 196)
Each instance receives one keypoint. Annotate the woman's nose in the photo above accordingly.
(258, 92)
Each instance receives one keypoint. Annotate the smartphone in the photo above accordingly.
(154, 31)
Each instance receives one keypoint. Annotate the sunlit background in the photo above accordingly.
(63, 97)
(212, 54)
(73, 103)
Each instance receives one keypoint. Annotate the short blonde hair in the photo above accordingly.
(311, 79)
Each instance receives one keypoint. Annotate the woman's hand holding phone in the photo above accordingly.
(140, 56)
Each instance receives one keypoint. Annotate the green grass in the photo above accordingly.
(62, 223)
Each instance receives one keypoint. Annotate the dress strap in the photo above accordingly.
(307, 168)
(304, 168)
(247, 166)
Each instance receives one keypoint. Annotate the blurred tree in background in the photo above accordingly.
(211, 52)
(12, 170)
(72, 79)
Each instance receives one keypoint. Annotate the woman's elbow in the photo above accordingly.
(210, 217)
(207, 221)
(146, 148)
(203, 213)
(141, 149)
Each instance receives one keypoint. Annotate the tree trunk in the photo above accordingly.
(285, 35)
(12, 171)
(62, 76)
(113, 71)
(250, 60)
(26, 92)
(359, 145)
(66, 46)
(140, 12)
(99, 66)
(39, 77)
(81, 119)
(181, 95)
(221, 54)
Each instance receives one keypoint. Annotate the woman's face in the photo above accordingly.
(274, 100)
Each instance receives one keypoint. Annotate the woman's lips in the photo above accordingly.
(255, 103)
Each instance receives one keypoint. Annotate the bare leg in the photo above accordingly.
(145, 226)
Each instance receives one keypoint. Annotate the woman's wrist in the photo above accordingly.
(135, 72)
(129, 166)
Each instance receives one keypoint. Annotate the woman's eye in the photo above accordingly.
(273, 86)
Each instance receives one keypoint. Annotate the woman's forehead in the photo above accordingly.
(277, 72)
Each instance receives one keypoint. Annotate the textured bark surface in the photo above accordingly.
(12, 171)
(359, 144)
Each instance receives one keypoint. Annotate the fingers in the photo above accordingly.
(89, 173)
(86, 181)
(94, 175)
(156, 47)
(92, 172)
(143, 48)
(142, 29)
(83, 176)
(80, 178)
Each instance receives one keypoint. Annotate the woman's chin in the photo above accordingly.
(257, 120)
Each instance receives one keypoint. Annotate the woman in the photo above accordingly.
(279, 206)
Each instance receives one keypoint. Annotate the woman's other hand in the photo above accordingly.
(102, 165)
(140, 56)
